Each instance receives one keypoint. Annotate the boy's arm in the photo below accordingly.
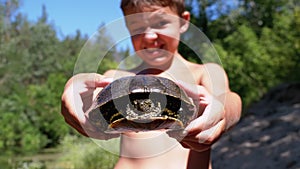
(215, 80)
(232, 108)
(219, 109)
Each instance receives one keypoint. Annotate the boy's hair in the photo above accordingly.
(176, 5)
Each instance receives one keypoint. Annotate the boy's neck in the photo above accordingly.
(145, 68)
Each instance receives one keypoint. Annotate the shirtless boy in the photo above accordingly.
(155, 27)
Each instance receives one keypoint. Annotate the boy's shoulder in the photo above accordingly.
(196, 68)
(206, 67)
(204, 72)
(203, 66)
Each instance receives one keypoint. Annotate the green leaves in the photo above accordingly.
(30, 118)
(34, 67)
(258, 44)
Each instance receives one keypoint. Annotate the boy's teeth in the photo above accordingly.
(151, 49)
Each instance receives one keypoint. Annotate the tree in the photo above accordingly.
(7, 10)
(97, 54)
(247, 63)
(34, 67)
(258, 43)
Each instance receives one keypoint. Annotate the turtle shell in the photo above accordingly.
(141, 103)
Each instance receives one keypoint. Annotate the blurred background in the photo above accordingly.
(258, 42)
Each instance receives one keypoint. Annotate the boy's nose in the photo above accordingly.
(150, 35)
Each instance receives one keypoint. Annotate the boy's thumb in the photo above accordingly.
(103, 82)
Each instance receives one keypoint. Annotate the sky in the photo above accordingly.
(70, 15)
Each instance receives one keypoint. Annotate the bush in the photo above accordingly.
(84, 153)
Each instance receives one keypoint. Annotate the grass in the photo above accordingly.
(73, 153)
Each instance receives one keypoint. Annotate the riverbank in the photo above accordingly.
(268, 136)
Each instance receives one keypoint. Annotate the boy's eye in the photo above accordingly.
(138, 30)
(159, 24)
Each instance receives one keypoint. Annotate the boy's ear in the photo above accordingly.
(185, 21)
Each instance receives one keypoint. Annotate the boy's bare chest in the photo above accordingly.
(184, 73)
(179, 73)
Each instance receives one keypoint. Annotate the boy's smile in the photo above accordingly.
(155, 34)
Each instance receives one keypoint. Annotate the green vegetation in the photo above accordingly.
(258, 43)
(83, 153)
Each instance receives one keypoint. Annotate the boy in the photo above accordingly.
(155, 27)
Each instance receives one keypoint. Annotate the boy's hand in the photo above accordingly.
(209, 125)
(77, 97)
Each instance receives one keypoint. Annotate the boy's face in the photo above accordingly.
(155, 34)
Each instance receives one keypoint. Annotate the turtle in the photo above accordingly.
(141, 103)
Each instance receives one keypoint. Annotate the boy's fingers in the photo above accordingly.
(93, 80)
(92, 133)
(211, 135)
(90, 80)
(199, 124)
(71, 108)
(86, 128)
(212, 115)
(198, 93)
(79, 91)
(206, 137)
(100, 82)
